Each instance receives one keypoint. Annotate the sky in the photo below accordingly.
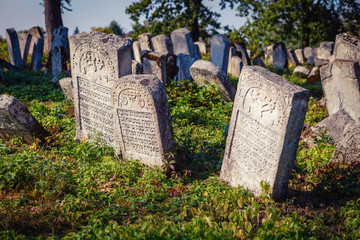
(24, 14)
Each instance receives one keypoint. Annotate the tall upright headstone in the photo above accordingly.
(58, 49)
(137, 51)
(264, 132)
(182, 42)
(300, 55)
(269, 50)
(183, 64)
(280, 60)
(143, 118)
(38, 50)
(97, 61)
(14, 48)
(219, 51)
(347, 47)
(162, 44)
(241, 52)
(145, 42)
(155, 63)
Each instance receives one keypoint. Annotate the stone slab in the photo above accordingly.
(37, 54)
(67, 88)
(98, 60)
(301, 71)
(143, 119)
(347, 47)
(155, 63)
(314, 75)
(219, 51)
(241, 52)
(291, 56)
(258, 62)
(280, 60)
(300, 55)
(145, 42)
(265, 126)
(183, 64)
(136, 51)
(14, 48)
(182, 42)
(136, 67)
(202, 47)
(162, 44)
(269, 50)
(58, 48)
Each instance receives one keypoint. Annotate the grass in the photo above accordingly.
(71, 190)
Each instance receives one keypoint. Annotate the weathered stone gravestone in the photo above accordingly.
(143, 119)
(37, 54)
(35, 33)
(97, 61)
(280, 56)
(182, 42)
(136, 67)
(205, 73)
(241, 52)
(292, 57)
(14, 48)
(25, 40)
(314, 75)
(301, 71)
(145, 42)
(269, 50)
(162, 44)
(328, 44)
(341, 85)
(58, 46)
(67, 88)
(309, 52)
(155, 63)
(16, 120)
(300, 55)
(136, 51)
(202, 47)
(258, 62)
(183, 63)
(265, 127)
(219, 51)
(347, 47)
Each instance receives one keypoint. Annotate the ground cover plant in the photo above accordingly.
(70, 190)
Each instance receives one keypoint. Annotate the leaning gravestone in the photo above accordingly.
(280, 60)
(14, 48)
(67, 88)
(265, 127)
(155, 63)
(25, 40)
(219, 51)
(299, 53)
(137, 51)
(58, 46)
(347, 47)
(162, 44)
(143, 119)
(341, 85)
(242, 53)
(37, 54)
(16, 120)
(97, 61)
(145, 41)
(202, 47)
(205, 73)
(292, 57)
(182, 42)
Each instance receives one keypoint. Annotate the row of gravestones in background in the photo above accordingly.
(265, 126)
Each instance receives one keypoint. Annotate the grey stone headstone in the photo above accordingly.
(249, 53)
(145, 42)
(58, 46)
(202, 47)
(182, 42)
(67, 88)
(242, 53)
(137, 51)
(280, 56)
(301, 71)
(136, 67)
(269, 50)
(264, 132)
(219, 51)
(292, 57)
(347, 47)
(323, 53)
(308, 52)
(97, 62)
(258, 62)
(235, 66)
(37, 55)
(35, 33)
(197, 51)
(300, 55)
(183, 64)
(25, 41)
(205, 73)
(14, 48)
(155, 63)
(162, 44)
(143, 119)
(341, 85)
(16, 120)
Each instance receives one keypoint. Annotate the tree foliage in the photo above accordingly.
(164, 16)
(297, 22)
(114, 28)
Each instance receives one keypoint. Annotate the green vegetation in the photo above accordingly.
(71, 190)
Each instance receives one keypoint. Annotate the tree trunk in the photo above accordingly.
(53, 18)
(193, 11)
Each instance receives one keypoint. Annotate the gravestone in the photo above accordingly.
(136, 67)
(162, 44)
(205, 73)
(25, 41)
(183, 64)
(155, 63)
(300, 55)
(301, 71)
(219, 51)
(67, 88)
(269, 51)
(182, 42)
(202, 47)
(137, 51)
(341, 85)
(330, 45)
(265, 126)
(258, 62)
(292, 57)
(314, 75)
(143, 118)
(320, 62)
(309, 52)
(35, 33)
(97, 61)
(235, 66)
(242, 53)
(58, 49)
(197, 51)
(37, 54)
(323, 53)
(145, 41)
(280, 56)
(14, 48)
(16, 120)
(347, 47)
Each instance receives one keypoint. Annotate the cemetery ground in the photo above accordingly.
(65, 189)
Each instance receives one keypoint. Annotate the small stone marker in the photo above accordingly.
(183, 63)
(242, 53)
(347, 47)
(323, 53)
(202, 47)
(269, 51)
(300, 55)
(143, 118)
(314, 75)
(37, 54)
(67, 88)
(280, 56)
(182, 42)
(265, 127)
(16, 120)
(205, 73)
(145, 42)
(235, 66)
(301, 71)
(58, 46)
(155, 63)
(35, 33)
(162, 44)
(292, 57)
(137, 51)
(219, 51)
(97, 62)
(309, 52)
(341, 85)
(14, 48)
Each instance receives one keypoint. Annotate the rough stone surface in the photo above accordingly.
(145, 42)
(301, 71)
(37, 54)
(235, 66)
(155, 63)
(67, 88)
(258, 62)
(136, 67)
(162, 44)
(205, 73)
(320, 62)
(308, 52)
(16, 120)
(143, 119)
(269, 50)
(265, 127)
(183, 63)
(219, 51)
(311, 60)
(300, 55)
(292, 57)
(314, 75)
(25, 41)
(136, 51)
(341, 85)
(347, 47)
(58, 46)
(97, 62)
(14, 48)
(182, 42)
(280, 56)
(202, 47)
(323, 53)
(330, 45)
(242, 53)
